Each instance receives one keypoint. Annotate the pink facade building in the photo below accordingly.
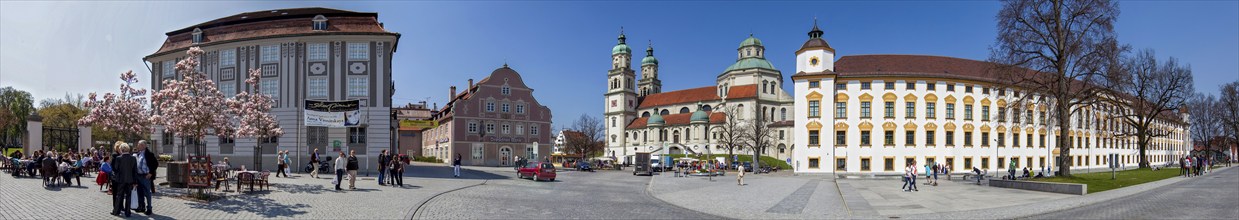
(490, 123)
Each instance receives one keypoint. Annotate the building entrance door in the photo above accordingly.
(505, 154)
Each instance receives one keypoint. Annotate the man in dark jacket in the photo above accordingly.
(125, 169)
(352, 169)
(147, 165)
(383, 160)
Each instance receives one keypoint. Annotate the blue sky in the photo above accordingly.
(562, 48)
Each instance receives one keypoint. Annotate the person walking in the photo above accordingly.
(279, 161)
(740, 174)
(383, 160)
(125, 170)
(145, 161)
(912, 176)
(456, 166)
(288, 163)
(340, 163)
(314, 163)
(936, 169)
(1011, 169)
(352, 169)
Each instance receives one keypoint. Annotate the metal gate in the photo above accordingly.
(60, 139)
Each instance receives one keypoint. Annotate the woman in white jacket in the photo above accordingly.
(341, 163)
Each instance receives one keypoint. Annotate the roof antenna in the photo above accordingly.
(505, 62)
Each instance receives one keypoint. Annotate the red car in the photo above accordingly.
(538, 171)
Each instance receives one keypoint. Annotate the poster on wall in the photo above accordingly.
(335, 114)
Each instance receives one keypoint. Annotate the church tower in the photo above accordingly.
(815, 55)
(621, 103)
(649, 74)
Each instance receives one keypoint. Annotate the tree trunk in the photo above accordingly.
(1064, 128)
(1144, 141)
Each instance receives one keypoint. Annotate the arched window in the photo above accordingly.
(664, 112)
(683, 110)
(783, 114)
(645, 114)
(612, 138)
(774, 87)
(706, 108)
(675, 138)
(764, 83)
(687, 134)
(613, 123)
(763, 112)
(740, 111)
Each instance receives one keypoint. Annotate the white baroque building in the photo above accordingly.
(640, 117)
(874, 114)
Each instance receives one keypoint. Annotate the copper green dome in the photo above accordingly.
(749, 63)
(649, 60)
(700, 116)
(656, 119)
(621, 48)
(751, 41)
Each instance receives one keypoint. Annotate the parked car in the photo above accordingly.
(538, 171)
(657, 165)
(584, 167)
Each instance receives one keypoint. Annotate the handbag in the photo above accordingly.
(133, 198)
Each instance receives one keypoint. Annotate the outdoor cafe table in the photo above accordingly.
(253, 176)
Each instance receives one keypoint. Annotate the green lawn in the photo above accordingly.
(743, 158)
(1098, 182)
(9, 151)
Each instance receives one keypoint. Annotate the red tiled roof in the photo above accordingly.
(918, 65)
(693, 95)
(253, 25)
(676, 119)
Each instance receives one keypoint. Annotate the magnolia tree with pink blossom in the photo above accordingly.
(124, 113)
(193, 107)
(253, 114)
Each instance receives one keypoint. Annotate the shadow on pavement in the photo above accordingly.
(253, 203)
(300, 188)
(445, 172)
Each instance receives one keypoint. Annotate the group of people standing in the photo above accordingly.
(130, 170)
(1194, 165)
(393, 164)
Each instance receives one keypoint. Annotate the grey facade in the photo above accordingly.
(349, 59)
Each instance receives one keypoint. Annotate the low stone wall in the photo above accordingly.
(1065, 188)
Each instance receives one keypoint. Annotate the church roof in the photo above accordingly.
(751, 41)
(693, 95)
(675, 119)
(750, 62)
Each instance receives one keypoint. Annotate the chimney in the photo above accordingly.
(436, 106)
(470, 83)
(452, 95)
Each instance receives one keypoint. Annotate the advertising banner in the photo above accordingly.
(334, 114)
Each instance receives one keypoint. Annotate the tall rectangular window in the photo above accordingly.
(358, 86)
(841, 164)
(317, 87)
(1002, 114)
(505, 107)
(473, 127)
(968, 139)
(929, 139)
(909, 109)
(841, 138)
(984, 139)
(889, 138)
(985, 113)
(228, 89)
(316, 52)
(814, 109)
(520, 108)
(227, 57)
(950, 110)
(929, 111)
(909, 138)
(270, 87)
(270, 53)
(813, 137)
(968, 112)
(169, 69)
(890, 110)
(841, 110)
(477, 152)
(490, 107)
(533, 129)
(1002, 139)
(357, 135)
(950, 138)
(359, 51)
(864, 138)
(507, 129)
(864, 110)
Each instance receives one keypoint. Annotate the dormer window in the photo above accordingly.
(320, 23)
(197, 36)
